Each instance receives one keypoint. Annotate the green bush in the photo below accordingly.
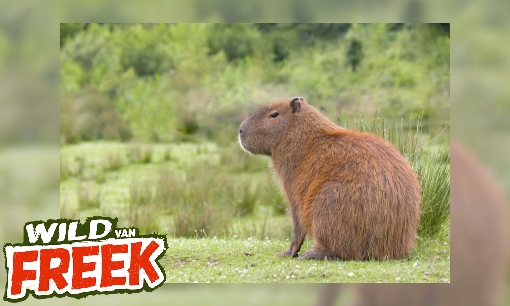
(145, 50)
(173, 82)
(89, 115)
(236, 40)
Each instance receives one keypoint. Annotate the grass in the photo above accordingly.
(139, 153)
(203, 201)
(65, 172)
(143, 210)
(114, 162)
(434, 173)
(241, 260)
(89, 195)
(246, 202)
(167, 154)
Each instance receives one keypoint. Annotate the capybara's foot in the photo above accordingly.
(317, 254)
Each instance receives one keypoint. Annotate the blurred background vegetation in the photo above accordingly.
(188, 82)
(149, 116)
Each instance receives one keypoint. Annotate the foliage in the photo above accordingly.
(90, 116)
(237, 41)
(187, 82)
(144, 51)
(68, 30)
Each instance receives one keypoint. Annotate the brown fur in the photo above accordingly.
(479, 248)
(353, 192)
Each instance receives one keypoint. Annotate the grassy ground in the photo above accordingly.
(236, 260)
(104, 179)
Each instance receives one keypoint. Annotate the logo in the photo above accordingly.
(66, 258)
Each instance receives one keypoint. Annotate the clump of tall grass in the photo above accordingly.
(167, 154)
(246, 198)
(430, 158)
(240, 161)
(80, 169)
(433, 168)
(166, 188)
(201, 200)
(143, 209)
(89, 195)
(114, 162)
(270, 196)
(99, 176)
(269, 227)
(140, 154)
(67, 212)
(65, 171)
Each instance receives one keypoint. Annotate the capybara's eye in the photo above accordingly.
(274, 115)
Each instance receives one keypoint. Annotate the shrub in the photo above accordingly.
(145, 51)
(188, 122)
(89, 115)
(238, 41)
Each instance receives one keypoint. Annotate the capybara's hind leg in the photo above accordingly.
(317, 254)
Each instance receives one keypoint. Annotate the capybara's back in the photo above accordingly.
(353, 192)
(364, 198)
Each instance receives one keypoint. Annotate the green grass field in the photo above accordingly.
(163, 188)
(241, 260)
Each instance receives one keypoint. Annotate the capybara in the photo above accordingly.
(479, 248)
(352, 192)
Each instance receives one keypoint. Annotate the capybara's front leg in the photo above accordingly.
(297, 238)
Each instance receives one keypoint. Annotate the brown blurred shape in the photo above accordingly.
(479, 247)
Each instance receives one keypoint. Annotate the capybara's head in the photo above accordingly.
(262, 131)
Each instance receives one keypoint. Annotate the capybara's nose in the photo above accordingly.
(240, 132)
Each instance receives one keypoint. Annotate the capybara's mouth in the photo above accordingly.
(241, 144)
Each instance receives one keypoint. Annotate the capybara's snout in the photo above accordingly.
(243, 129)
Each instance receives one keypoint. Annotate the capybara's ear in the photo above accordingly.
(295, 104)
